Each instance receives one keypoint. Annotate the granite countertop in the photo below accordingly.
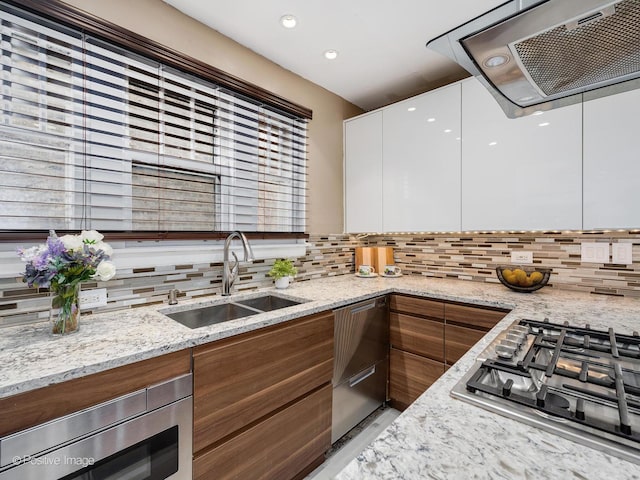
(436, 437)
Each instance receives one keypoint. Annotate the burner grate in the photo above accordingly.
(575, 381)
(554, 402)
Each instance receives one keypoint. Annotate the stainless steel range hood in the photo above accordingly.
(537, 55)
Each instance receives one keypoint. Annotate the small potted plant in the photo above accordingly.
(283, 272)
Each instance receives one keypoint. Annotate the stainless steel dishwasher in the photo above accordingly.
(361, 362)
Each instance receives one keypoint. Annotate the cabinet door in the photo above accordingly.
(473, 316)
(519, 174)
(409, 376)
(280, 447)
(612, 161)
(423, 307)
(459, 340)
(417, 335)
(241, 379)
(421, 162)
(363, 173)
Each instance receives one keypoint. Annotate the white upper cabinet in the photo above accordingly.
(363, 173)
(421, 162)
(612, 161)
(519, 174)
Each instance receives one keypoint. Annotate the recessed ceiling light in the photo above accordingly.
(288, 21)
(491, 144)
(431, 119)
(448, 130)
(543, 124)
(331, 54)
(411, 109)
(496, 61)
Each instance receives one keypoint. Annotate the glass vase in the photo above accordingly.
(64, 314)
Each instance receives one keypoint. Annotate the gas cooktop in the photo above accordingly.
(580, 383)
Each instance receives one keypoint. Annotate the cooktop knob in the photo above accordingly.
(505, 352)
(513, 337)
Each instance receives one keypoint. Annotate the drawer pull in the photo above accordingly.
(359, 377)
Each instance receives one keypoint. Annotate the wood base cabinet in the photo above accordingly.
(409, 376)
(465, 326)
(427, 337)
(262, 401)
(275, 448)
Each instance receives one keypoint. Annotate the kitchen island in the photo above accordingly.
(436, 437)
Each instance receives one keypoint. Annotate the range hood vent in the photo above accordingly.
(537, 55)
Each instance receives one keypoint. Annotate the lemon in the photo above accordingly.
(508, 276)
(520, 277)
(535, 277)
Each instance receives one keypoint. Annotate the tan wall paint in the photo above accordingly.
(162, 23)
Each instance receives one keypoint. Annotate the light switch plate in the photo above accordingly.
(622, 253)
(522, 258)
(594, 252)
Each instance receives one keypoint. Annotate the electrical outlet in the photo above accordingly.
(522, 258)
(96, 297)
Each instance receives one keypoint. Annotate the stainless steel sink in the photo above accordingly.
(268, 303)
(205, 316)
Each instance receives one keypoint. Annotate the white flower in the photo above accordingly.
(72, 242)
(105, 270)
(105, 247)
(91, 236)
(29, 254)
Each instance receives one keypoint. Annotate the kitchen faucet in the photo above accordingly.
(229, 274)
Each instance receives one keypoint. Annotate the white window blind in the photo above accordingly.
(94, 136)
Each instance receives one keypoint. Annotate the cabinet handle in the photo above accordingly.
(359, 377)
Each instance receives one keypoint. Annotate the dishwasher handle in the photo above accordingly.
(375, 303)
(359, 377)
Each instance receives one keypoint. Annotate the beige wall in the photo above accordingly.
(158, 21)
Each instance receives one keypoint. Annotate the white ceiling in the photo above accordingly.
(381, 44)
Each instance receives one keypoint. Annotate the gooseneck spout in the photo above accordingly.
(230, 273)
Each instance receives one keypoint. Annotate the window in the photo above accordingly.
(96, 136)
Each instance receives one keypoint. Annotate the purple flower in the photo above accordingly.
(41, 262)
(55, 247)
(39, 278)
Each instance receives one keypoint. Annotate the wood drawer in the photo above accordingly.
(417, 306)
(409, 376)
(459, 340)
(417, 335)
(470, 315)
(243, 378)
(31, 408)
(278, 448)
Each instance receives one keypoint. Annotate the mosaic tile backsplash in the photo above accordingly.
(326, 255)
(470, 257)
(475, 256)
